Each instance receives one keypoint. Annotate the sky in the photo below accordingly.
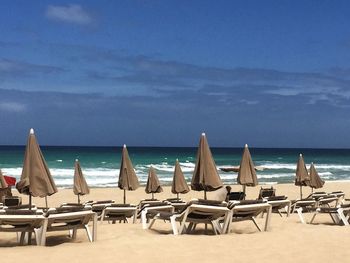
(159, 73)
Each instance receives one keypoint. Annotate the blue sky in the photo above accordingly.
(158, 73)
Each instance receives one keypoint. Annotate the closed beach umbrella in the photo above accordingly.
(205, 176)
(80, 186)
(301, 176)
(127, 177)
(315, 180)
(3, 183)
(246, 173)
(36, 179)
(153, 185)
(179, 185)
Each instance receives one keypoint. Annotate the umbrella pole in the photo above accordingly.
(177, 196)
(205, 194)
(78, 198)
(30, 233)
(301, 192)
(30, 202)
(47, 207)
(124, 198)
(244, 191)
(152, 196)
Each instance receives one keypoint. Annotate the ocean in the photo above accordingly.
(100, 165)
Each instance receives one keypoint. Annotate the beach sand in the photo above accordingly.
(287, 240)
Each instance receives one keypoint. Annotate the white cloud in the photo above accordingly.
(70, 14)
(12, 106)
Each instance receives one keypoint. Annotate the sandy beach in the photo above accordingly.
(287, 240)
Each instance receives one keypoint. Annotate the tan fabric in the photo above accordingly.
(80, 186)
(205, 175)
(127, 176)
(179, 185)
(246, 174)
(302, 177)
(36, 179)
(153, 185)
(3, 184)
(315, 180)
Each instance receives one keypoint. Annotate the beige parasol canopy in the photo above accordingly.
(205, 176)
(80, 186)
(315, 180)
(301, 176)
(127, 177)
(247, 174)
(36, 179)
(153, 185)
(179, 185)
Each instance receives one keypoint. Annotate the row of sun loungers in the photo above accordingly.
(183, 217)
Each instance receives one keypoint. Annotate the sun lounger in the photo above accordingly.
(22, 221)
(119, 212)
(266, 192)
(278, 203)
(145, 209)
(249, 210)
(99, 206)
(196, 212)
(338, 214)
(303, 205)
(62, 219)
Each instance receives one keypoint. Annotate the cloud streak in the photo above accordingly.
(16, 68)
(73, 14)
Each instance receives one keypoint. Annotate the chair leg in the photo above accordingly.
(73, 233)
(256, 224)
(343, 217)
(43, 233)
(313, 217)
(300, 214)
(153, 220)
(94, 228)
(22, 238)
(88, 232)
(144, 219)
(174, 225)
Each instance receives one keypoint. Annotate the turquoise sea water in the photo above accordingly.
(101, 164)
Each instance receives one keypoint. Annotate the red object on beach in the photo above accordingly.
(11, 181)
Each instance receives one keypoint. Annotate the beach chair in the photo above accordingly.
(196, 212)
(145, 210)
(23, 222)
(249, 210)
(266, 192)
(119, 212)
(317, 195)
(302, 206)
(278, 203)
(338, 214)
(63, 219)
(99, 206)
